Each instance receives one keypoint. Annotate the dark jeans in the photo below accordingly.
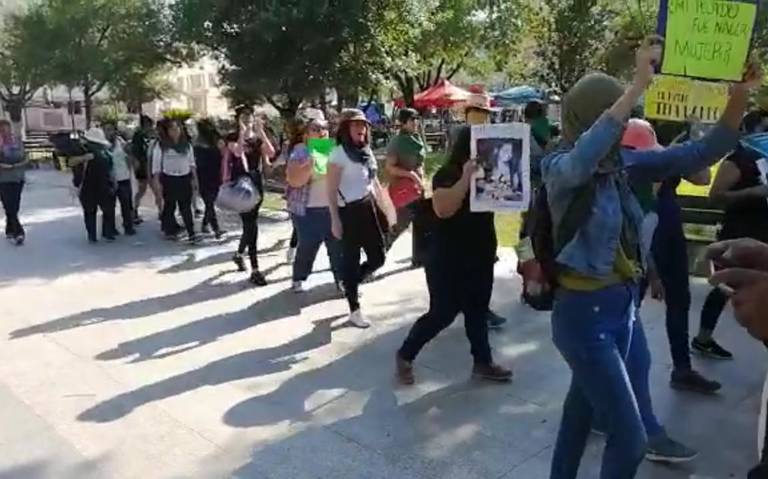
(177, 192)
(92, 202)
(314, 229)
(361, 231)
(125, 197)
(294, 238)
(671, 256)
(713, 307)
(407, 215)
(593, 332)
(454, 289)
(249, 240)
(10, 196)
(209, 217)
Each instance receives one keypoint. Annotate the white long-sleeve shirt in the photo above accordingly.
(172, 162)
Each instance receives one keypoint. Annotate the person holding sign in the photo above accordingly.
(459, 269)
(600, 266)
(307, 199)
(743, 191)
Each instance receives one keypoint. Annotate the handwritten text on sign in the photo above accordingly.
(680, 99)
(707, 38)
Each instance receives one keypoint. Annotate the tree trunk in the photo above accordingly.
(87, 104)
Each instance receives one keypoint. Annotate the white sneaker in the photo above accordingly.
(290, 255)
(297, 287)
(357, 320)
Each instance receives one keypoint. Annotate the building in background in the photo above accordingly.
(197, 89)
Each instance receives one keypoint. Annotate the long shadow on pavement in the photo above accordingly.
(240, 366)
(198, 333)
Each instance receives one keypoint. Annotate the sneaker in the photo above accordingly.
(137, 220)
(219, 234)
(710, 349)
(690, 380)
(239, 262)
(297, 287)
(109, 238)
(357, 320)
(662, 448)
(93, 240)
(19, 239)
(494, 320)
(194, 239)
(404, 371)
(257, 279)
(492, 372)
(290, 255)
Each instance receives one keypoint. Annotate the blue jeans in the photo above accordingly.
(638, 364)
(593, 332)
(314, 229)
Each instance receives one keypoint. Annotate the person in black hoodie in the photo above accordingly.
(92, 176)
(208, 156)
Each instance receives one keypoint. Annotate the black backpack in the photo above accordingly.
(547, 245)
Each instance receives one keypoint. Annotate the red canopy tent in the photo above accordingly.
(442, 95)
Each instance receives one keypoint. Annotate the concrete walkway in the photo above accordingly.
(148, 359)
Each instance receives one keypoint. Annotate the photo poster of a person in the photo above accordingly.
(502, 181)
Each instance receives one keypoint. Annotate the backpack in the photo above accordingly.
(540, 269)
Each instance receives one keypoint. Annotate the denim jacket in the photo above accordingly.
(593, 249)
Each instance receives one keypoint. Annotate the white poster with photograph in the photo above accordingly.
(503, 180)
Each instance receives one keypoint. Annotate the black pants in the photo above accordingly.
(177, 192)
(454, 288)
(713, 307)
(294, 243)
(10, 196)
(361, 231)
(92, 201)
(670, 254)
(125, 197)
(407, 215)
(209, 217)
(249, 241)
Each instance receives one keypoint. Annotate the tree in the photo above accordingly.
(280, 51)
(25, 54)
(140, 86)
(434, 39)
(98, 42)
(570, 38)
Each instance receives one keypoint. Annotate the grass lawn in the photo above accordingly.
(507, 225)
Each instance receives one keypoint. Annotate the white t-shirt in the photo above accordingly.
(356, 178)
(172, 162)
(120, 165)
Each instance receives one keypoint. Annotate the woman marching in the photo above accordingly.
(308, 203)
(352, 187)
(459, 268)
(247, 151)
(208, 154)
(597, 222)
(93, 177)
(173, 167)
(12, 166)
(738, 187)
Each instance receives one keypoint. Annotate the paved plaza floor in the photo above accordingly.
(152, 360)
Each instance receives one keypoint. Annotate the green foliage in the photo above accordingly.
(138, 86)
(98, 42)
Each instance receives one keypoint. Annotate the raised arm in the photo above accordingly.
(689, 158)
(578, 165)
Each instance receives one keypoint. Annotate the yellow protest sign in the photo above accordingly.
(708, 39)
(679, 99)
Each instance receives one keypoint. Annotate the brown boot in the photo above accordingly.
(492, 372)
(404, 371)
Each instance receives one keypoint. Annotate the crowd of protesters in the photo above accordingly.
(610, 186)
